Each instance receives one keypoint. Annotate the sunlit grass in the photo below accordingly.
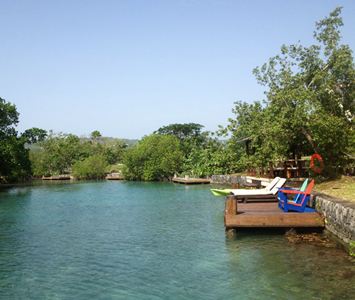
(343, 188)
(240, 174)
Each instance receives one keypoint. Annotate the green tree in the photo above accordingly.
(310, 100)
(157, 157)
(14, 157)
(38, 163)
(190, 135)
(215, 157)
(96, 141)
(93, 167)
(114, 150)
(35, 135)
(59, 153)
(182, 131)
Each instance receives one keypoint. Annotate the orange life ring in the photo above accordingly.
(317, 156)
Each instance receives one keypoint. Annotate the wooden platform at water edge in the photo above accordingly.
(267, 215)
(61, 177)
(191, 180)
(114, 178)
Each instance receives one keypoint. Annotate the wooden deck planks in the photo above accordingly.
(269, 215)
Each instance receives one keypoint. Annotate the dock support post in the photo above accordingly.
(231, 205)
(231, 209)
(235, 186)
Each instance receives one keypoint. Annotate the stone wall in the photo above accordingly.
(230, 179)
(339, 215)
(225, 179)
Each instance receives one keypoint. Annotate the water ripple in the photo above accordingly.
(136, 240)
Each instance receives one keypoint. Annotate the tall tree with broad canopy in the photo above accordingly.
(309, 101)
(58, 152)
(190, 135)
(182, 131)
(157, 157)
(14, 157)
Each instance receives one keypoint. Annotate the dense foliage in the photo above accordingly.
(189, 135)
(214, 157)
(309, 106)
(157, 157)
(93, 167)
(58, 153)
(182, 131)
(310, 101)
(14, 157)
(204, 155)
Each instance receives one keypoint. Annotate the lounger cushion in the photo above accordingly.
(272, 184)
(278, 185)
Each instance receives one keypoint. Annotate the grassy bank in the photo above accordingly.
(343, 188)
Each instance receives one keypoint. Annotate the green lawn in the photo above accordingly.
(343, 188)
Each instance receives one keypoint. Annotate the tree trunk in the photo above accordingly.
(299, 163)
(247, 147)
(309, 138)
(271, 170)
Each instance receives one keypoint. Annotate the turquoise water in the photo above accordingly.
(136, 240)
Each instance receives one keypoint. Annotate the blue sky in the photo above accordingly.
(126, 68)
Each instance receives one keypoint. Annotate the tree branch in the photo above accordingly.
(313, 78)
(309, 138)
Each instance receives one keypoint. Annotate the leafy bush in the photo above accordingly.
(93, 167)
(157, 157)
(215, 158)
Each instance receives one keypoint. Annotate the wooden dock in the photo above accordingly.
(114, 178)
(61, 177)
(191, 180)
(267, 215)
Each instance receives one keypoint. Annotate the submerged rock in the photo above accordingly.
(314, 238)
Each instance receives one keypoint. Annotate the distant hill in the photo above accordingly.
(129, 142)
(32, 147)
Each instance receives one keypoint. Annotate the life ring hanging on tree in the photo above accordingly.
(320, 169)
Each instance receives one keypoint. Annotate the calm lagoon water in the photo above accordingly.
(136, 240)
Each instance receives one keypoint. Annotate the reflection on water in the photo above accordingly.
(143, 240)
(282, 270)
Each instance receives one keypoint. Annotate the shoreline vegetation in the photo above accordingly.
(309, 109)
(310, 93)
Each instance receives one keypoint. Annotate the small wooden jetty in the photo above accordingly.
(114, 178)
(57, 177)
(267, 215)
(191, 180)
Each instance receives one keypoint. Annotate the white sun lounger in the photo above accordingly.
(266, 190)
(258, 195)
